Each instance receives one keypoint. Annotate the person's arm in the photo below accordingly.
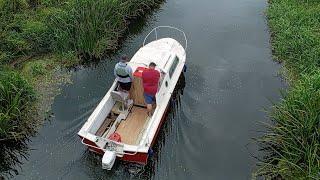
(130, 72)
(114, 71)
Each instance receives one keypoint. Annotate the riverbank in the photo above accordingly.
(292, 141)
(39, 39)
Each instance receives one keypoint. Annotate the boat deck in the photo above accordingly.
(132, 128)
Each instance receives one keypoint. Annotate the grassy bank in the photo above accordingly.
(292, 143)
(40, 37)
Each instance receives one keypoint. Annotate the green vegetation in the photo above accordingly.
(292, 144)
(87, 27)
(15, 96)
(93, 27)
(38, 37)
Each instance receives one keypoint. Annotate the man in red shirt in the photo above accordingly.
(150, 80)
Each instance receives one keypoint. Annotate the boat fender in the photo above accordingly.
(108, 159)
(185, 68)
(150, 152)
(115, 137)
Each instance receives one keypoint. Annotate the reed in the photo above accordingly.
(92, 27)
(88, 27)
(15, 97)
(292, 142)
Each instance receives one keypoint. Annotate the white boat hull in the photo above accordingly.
(170, 58)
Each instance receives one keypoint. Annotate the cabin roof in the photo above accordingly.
(158, 52)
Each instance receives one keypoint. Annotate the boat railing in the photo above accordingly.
(156, 29)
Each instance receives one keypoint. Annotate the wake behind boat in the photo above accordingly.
(120, 127)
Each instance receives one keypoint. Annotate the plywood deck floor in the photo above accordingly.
(131, 128)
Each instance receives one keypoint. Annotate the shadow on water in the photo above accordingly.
(91, 161)
(12, 154)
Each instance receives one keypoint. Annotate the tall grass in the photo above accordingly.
(15, 96)
(295, 33)
(23, 31)
(292, 143)
(87, 27)
(93, 27)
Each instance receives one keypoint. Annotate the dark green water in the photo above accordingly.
(207, 135)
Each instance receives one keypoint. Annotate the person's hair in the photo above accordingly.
(124, 58)
(152, 64)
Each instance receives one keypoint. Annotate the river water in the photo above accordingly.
(208, 133)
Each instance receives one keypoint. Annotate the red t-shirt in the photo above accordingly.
(150, 79)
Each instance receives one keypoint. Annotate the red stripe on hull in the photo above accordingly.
(93, 149)
(141, 158)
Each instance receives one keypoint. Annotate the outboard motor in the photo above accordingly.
(108, 159)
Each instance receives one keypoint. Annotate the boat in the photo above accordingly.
(119, 128)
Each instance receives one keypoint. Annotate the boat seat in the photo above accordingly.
(120, 97)
(122, 102)
(117, 108)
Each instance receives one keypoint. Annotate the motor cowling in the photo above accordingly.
(108, 159)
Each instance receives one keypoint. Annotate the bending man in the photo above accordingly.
(150, 79)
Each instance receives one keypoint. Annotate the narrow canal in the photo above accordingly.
(230, 79)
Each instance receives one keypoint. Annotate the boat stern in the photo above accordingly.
(112, 150)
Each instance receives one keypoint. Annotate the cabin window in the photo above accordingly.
(173, 66)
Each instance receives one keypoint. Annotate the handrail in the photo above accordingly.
(170, 27)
